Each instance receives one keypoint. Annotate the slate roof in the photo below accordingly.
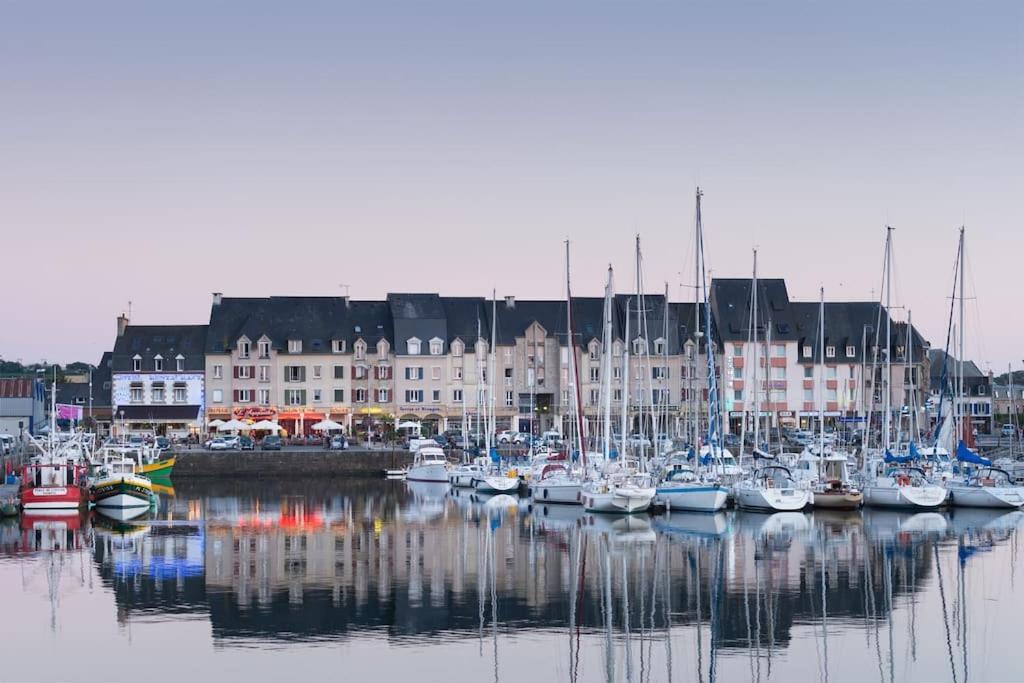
(730, 306)
(419, 316)
(462, 314)
(848, 323)
(168, 341)
(316, 321)
(78, 392)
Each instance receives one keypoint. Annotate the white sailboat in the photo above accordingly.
(495, 479)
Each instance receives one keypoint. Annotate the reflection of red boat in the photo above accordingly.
(53, 488)
(50, 532)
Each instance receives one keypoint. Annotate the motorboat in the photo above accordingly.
(771, 488)
(463, 476)
(682, 488)
(987, 487)
(903, 486)
(834, 489)
(618, 492)
(49, 486)
(429, 464)
(557, 484)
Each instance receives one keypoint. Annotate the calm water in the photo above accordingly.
(387, 581)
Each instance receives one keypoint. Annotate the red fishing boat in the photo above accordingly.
(54, 488)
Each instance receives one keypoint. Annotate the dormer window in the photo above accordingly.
(338, 346)
(137, 363)
(458, 347)
(808, 351)
(639, 346)
(617, 349)
(851, 352)
(659, 346)
(179, 363)
(383, 347)
(830, 352)
(436, 346)
(294, 346)
(158, 363)
(413, 347)
(594, 350)
(264, 348)
(359, 349)
(243, 348)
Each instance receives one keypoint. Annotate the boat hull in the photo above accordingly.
(431, 472)
(1008, 497)
(905, 497)
(462, 479)
(565, 492)
(699, 498)
(122, 493)
(772, 500)
(158, 470)
(848, 500)
(496, 484)
(54, 499)
(618, 500)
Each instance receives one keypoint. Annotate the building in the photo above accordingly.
(92, 395)
(22, 406)
(977, 399)
(157, 379)
(1005, 402)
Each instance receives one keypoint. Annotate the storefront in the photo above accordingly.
(300, 422)
(179, 421)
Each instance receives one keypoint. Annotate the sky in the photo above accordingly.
(158, 152)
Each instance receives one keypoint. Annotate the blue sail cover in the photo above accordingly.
(897, 459)
(914, 453)
(691, 454)
(965, 454)
(495, 458)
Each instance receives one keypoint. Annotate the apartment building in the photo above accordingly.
(157, 380)
(978, 401)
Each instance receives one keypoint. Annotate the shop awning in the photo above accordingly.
(184, 413)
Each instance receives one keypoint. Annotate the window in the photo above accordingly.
(243, 395)
(436, 347)
(830, 372)
(778, 373)
(382, 371)
(508, 354)
(359, 372)
(414, 373)
(414, 396)
(659, 372)
(360, 350)
(339, 372)
(617, 395)
(295, 397)
(851, 352)
(218, 395)
(383, 396)
(435, 396)
(779, 350)
(457, 347)
(264, 348)
(157, 393)
(137, 363)
(595, 351)
(338, 346)
(777, 396)
(435, 372)
(981, 389)
(808, 351)
(617, 372)
(317, 371)
(136, 392)
(737, 373)
(179, 363)
(294, 373)
(243, 372)
(294, 346)
(317, 396)
(243, 348)
(737, 394)
(565, 396)
(218, 372)
(180, 393)
(830, 352)
(595, 397)
(456, 395)
(509, 399)
(659, 346)
(830, 395)
(737, 351)
(413, 347)
(383, 347)
(508, 376)
(682, 372)
(639, 346)
(595, 374)
(158, 364)
(689, 350)
(359, 395)
(264, 373)
(808, 394)
(457, 372)
(660, 397)
(339, 395)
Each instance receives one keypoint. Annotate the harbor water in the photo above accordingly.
(393, 581)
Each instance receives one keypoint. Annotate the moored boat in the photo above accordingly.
(429, 464)
(682, 488)
(771, 489)
(988, 487)
(117, 486)
(904, 487)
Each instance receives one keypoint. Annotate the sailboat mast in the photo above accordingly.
(606, 369)
(821, 383)
(694, 403)
(887, 420)
(573, 365)
(665, 392)
(624, 417)
(960, 355)
(492, 370)
(757, 357)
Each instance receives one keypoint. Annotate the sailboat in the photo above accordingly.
(686, 487)
(770, 487)
(495, 480)
(894, 482)
(832, 488)
(557, 482)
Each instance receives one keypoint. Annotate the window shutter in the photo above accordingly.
(235, 394)
(234, 371)
(388, 372)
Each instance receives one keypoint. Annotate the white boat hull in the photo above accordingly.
(565, 492)
(496, 484)
(696, 498)
(772, 499)
(905, 497)
(462, 479)
(619, 500)
(122, 501)
(1008, 497)
(434, 472)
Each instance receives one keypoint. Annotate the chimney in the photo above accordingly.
(217, 296)
(347, 301)
(510, 302)
(122, 323)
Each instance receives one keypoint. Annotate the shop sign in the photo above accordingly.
(255, 413)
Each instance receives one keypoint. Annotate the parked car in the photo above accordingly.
(505, 437)
(218, 444)
(1008, 430)
(233, 441)
(163, 443)
(551, 438)
(271, 442)
(338, 443)
(246, 444)
(6, 444)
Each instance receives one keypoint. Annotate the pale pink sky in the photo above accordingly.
(157, 154)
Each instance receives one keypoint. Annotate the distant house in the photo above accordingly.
(92, 393)
(22, 406)
(977, 389)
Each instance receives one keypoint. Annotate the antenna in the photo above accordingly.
(345, 287)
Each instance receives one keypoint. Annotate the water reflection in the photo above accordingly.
(682, 596)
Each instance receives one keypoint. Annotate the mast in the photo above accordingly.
(624, 417)
(492, 370)
(606, 369)
(908, 371)
(960, 359)
(573, 365)
(698, 233)
(757, 357)
(666, 391)
(821, 383)
(887, 419)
